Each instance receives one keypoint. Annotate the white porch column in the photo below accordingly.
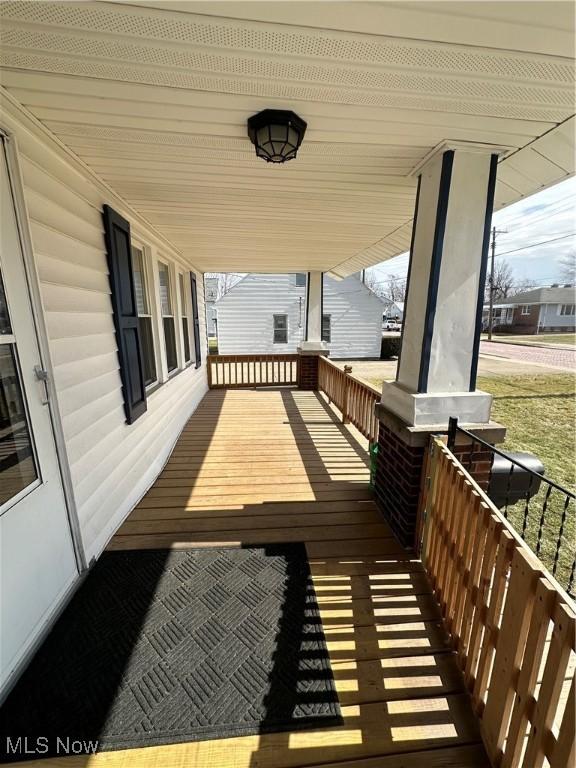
(437, 367)
(314, 301)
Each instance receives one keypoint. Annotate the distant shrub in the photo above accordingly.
(390, 347)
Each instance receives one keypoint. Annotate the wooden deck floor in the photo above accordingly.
(258, 466)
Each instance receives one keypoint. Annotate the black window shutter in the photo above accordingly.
(130, 356)
(196, 320)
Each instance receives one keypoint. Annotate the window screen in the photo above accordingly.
(280, 329)
(144, 316)
(167, 317)
(326, 329)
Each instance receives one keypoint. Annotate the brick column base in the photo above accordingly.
(308, 372)
(400, 462)
(477, 460)
(397, 482)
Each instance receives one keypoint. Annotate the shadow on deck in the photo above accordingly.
(275, 465)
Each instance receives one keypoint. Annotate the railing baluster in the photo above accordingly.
(560, 535)
(509, 498)
(527, 507)
(542, 518)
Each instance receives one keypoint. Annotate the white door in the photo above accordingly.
(37, 563)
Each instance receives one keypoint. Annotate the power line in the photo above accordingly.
(519, 221)
(535, 245)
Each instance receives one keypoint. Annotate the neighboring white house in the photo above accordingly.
(267, 313)
(393, 310)
(210, 299)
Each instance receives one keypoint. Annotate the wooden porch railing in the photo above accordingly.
(512, 626)
(354, 398)
(235, 371)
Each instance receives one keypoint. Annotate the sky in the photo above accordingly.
(547, 215)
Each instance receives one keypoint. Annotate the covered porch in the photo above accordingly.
(271, 465)
(127, 174)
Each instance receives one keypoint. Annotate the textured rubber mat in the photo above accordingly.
(161, 646)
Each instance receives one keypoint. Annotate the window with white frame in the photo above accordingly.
(184, 303)
(167, 310)
(568, 309)
(143, 308)
(300, 279)
(326, 328)
(280, 329)
(526, 309)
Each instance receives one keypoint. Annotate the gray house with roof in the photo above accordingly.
(551, 309)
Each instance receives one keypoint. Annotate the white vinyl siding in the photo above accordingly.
(112, 464)
(245, 316)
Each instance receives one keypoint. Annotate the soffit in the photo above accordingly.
(155, 101)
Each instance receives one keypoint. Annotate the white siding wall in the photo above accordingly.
(356, 318)
(112, 464)
(245, 316)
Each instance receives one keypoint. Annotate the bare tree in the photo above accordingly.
(226, 281)
(568, 267)
(390, 288)
(503, 282)
(395, 288)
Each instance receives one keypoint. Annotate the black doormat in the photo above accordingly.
(161, 646)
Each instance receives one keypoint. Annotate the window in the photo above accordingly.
(196, 319)
(18, 467)
(167, 316)
(185, 318)
(300, 280)
(326, 329)
(280, 329)
(568, 309)
(144, 316)
(526, 309)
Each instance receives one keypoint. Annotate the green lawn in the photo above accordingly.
(541, 338)
(539, 413)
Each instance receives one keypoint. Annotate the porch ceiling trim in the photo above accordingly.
(154, 101)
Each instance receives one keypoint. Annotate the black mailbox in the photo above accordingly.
(510, 482)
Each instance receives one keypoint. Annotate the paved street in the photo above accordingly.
(496, 359)
(553, 359)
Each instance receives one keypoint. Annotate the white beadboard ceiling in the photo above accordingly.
(154, 97)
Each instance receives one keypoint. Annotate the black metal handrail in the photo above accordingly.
(545, 532)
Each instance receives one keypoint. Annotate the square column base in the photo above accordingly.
(313, 348)
(308, 364)
(400, 461)
(433, 409)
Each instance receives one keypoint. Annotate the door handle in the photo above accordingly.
(42, 378)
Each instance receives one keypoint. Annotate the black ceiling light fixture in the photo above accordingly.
(276, 134)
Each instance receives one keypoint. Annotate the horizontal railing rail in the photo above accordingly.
(544, 516)
(236, 371)
(511, 624)
(354, 398)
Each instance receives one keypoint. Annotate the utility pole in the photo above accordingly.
(491, 285)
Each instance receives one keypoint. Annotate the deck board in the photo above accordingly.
(274, 465)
